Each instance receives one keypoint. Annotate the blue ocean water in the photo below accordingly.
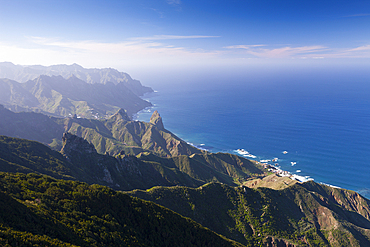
(321, 119)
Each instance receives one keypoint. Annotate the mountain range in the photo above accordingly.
(76, 170)
(116, 134)
(303, 214)
(65, 90)
(23, 73)
(79, 160)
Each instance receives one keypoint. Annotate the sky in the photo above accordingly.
(142, 35)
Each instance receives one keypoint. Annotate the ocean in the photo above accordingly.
(320, 117)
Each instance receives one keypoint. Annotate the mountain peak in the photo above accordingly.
(75, 65)
(156, 120)
(7, 64)
(121, 114)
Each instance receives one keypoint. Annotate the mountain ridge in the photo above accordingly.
(62, 97)
(113, 135)
(62, 90)
(79, 160)
(295, 216)
(41, 211)
(146, 161)
(304, 214)
(24, 73)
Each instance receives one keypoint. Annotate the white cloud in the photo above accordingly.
(283, 52)
(136, 52)
(358, 15)
(157, 51)
(169, 37)
(242, 46)
(361, 48)
(175, 2)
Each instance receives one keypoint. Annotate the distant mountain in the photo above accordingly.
(31, 126)
(23, 73)
(58, 96)
(37, 210)
(307, 214)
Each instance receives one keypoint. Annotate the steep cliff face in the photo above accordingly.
(156, 120)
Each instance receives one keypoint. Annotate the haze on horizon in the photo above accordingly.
(146, 36)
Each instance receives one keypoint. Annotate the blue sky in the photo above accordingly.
(141, 34)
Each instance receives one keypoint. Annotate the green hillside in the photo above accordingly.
(30, 125)
(40, 211)
(307, 214)
(79, 160)
(18, 155)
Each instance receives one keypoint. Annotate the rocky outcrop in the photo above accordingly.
(156, 120)
(121, 114)
(275, 242)
(73, 144)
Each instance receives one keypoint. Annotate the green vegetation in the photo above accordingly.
(38, 211)
(297, 215)
(79, 160)
(18, 155)
(307, 214)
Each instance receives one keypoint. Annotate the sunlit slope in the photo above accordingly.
(113, 135)
(306, 214)
(272, 181)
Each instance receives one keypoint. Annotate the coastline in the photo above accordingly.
(303, 162)
(272, 166)
(266, 163)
